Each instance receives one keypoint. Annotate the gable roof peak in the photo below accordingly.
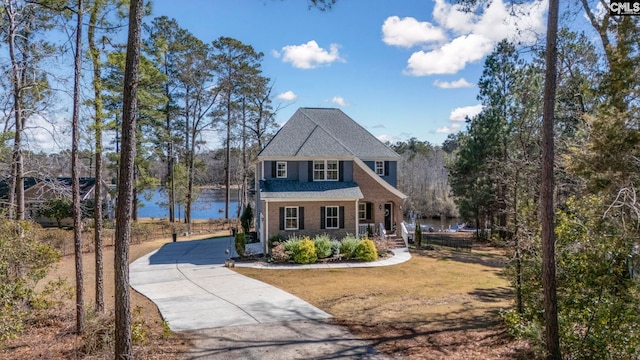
(325, 132)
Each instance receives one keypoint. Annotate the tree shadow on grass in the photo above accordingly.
(468, 257)
(453, 335)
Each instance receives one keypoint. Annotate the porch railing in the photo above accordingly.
(405, 234)
(362, 228)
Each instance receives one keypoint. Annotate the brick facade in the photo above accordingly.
(312, 218)
(378, 195)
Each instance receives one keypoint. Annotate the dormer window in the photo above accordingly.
(281, 169)
(325, 170)
(380, 168)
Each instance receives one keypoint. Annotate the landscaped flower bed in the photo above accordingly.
(305, 250)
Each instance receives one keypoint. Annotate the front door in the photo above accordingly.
(387, 217)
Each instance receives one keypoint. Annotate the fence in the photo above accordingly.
(453, 240)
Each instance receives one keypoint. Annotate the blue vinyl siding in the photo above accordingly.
(299, 170)
(391, 170)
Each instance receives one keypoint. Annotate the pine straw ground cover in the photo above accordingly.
(53, 335)
(442, 304)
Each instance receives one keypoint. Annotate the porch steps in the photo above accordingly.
(395, 242)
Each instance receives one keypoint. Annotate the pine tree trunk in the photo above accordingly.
(227, 165)
(546, 196)
(123, 343)
(98, 194)
(16, 191)
(75, 177)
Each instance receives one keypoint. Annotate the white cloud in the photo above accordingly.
(287, 96)
(48, 135)
(408, 32)
(389, 138)
(310, 55)
(338, 100)
(461, 113)
(473, 35)
(275, 54)
(460, 83)
(451, 57)
(448, 129)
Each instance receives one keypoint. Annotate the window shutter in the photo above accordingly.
(386, 168)
(301, 218)
(274, 173)
(368, 211)
(341, 170)
(322, 215)
(341, 216)
(281, 218)
(310, 171)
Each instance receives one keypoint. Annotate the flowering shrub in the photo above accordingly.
(306, 252)
(366, 250)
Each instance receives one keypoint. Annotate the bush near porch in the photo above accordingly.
(305, 250)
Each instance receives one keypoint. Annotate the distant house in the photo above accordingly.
(324, 173)
(37, 192)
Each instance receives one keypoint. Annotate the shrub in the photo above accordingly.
(98, 332)
(240, 243)
(381, 246)
(348, 246)
(323, 246)
(246, 220)
(335, 247)
(292, 244)
(279, 254)
(276, 239)
(59, 239)
(24, 261)
(56, 209)
(306, 253)
(418, 235)
(366, 251)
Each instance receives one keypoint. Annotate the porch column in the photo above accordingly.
(357, 218)
(265, 245)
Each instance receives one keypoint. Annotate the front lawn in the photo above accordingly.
(442, 304)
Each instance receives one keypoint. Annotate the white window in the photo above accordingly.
(332, 170)
(362, 211)
(291, 218)
(318, 170)
(331, 217)
(380, 168)
(281, 169)
(325, 170)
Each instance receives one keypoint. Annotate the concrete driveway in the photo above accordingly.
(193, 290)
(231, 316)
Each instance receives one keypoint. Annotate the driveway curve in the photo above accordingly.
(193, 290)
(231, 316)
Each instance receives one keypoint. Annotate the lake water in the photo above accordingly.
(209, 205)
(442, 224)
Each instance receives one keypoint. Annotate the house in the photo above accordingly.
(324, 173)
(38, 191)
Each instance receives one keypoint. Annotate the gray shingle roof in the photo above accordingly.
(325, 132)
(288, 189)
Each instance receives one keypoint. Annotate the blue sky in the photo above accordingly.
(401, 69)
